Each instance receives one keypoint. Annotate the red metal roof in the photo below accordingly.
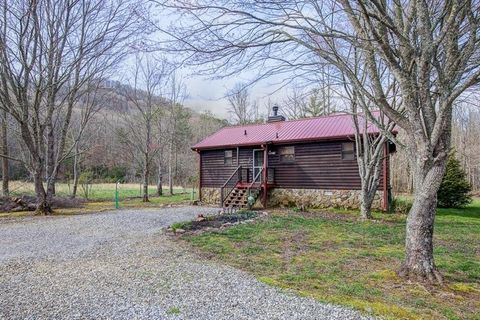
(310, 129)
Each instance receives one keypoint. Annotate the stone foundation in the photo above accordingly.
(319, 198)
(211, 196)
(308, 198)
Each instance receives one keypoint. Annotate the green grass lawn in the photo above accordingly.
(97, 192)
(335, 258)
(102, 195)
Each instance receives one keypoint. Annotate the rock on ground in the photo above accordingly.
(119, 265)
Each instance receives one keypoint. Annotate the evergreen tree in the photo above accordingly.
(454, 190)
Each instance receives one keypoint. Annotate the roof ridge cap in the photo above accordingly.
(338, 114)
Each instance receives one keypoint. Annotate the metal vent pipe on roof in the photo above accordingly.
(275, 117)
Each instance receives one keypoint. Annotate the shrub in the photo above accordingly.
(181, 225)
(245, 214)
(109, 174)
(454, 190)
(400, 205)
(85, 180)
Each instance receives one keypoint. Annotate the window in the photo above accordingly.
(348, 151)
(228, 157)
(287, 154)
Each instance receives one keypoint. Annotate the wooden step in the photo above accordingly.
(238, 198)
(235, 205)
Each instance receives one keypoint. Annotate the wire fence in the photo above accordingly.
(96, 191)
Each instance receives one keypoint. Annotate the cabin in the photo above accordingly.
(304, 163)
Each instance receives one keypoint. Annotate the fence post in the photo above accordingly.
(117, 205)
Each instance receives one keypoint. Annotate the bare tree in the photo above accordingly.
(295, 104)
(424, 66)
(242, 109)
(320, 101)
(430, 48)
(140, 133)
(5, 160)
(314, 102)
(401, 173)
(316, 95)
(160, 159)
(315, 106)
(370, 155)
(87, 106)
(48, 51)
(465, 135)
(370, 151)
(176, 96)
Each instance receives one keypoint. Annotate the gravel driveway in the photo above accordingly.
(119, 265)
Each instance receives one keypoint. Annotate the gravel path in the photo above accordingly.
(119, 265)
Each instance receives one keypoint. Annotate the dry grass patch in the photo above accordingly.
(103, 205)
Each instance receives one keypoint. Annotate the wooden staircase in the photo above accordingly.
(238, 198)
(235, 191)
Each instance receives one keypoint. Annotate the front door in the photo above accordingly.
(257, 165)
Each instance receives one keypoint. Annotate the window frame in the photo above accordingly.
(344, 153)
(228, 160)
(283, 160)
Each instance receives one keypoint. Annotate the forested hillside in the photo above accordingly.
(107, 150)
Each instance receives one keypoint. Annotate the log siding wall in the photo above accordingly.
(317, 165)
(215, 172)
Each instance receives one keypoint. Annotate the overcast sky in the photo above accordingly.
(208, 94)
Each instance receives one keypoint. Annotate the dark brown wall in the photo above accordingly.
(215, 172)
(317, 165)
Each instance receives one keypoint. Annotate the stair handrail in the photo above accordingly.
(253, 181)
(237, 173)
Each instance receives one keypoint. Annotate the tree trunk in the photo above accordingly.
(419, 263)
(50, 192)
(5, 164)
(50, 161)
(170, 170)
(366, 202)
(146, 165)
(409, 180)
(53, 187)
(145, 190)
(369, 186)
(76, 173)
(146, 173)
(370, 154)
(159, 180)
(43, 204)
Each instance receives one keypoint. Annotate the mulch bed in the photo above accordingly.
(220, 221)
